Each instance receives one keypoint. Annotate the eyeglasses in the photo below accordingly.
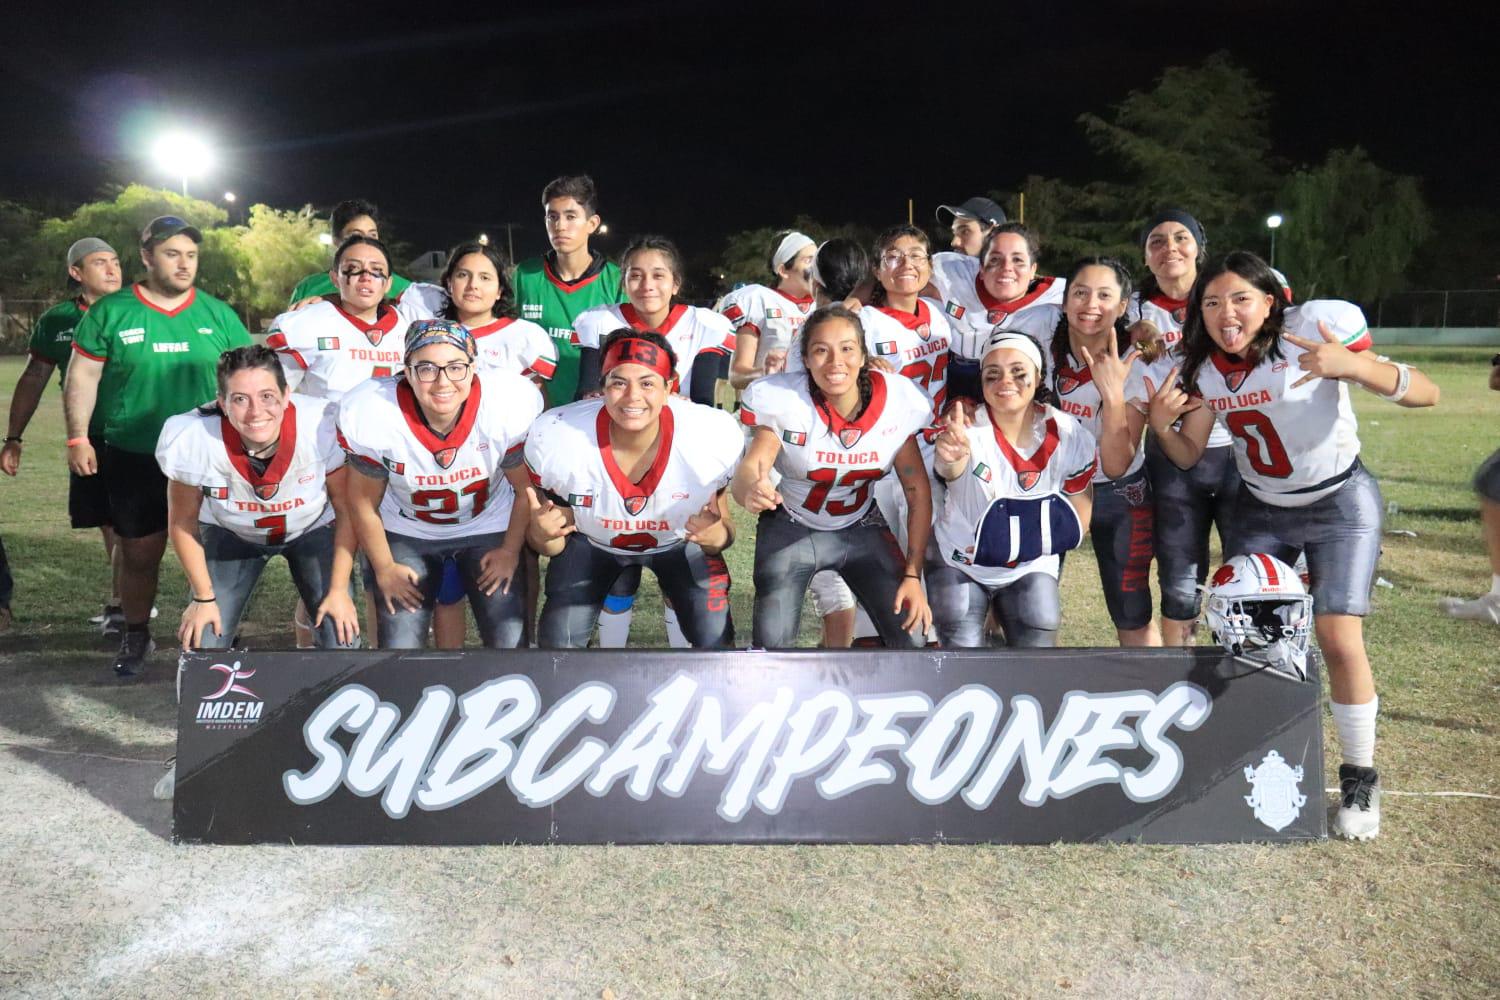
(426, 372)
(355, 273)
(894, 258)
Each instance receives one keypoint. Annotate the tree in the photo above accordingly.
(277, 250)
(1352, 227)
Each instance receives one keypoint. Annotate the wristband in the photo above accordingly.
(75, 441)
(205, 600)
(911, 576)
(14, 437)
(1403, 383)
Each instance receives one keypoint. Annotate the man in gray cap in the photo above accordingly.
(94, 270)
(970, 222)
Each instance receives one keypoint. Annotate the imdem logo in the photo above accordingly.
(220, 711)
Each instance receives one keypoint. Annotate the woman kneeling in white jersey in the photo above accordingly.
(832, 432)
(1275, 376)
(1019, 495)
(634, 479)
(440, 453)
(258, 474)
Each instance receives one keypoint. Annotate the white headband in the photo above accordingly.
(1016, 342)
(790, 246)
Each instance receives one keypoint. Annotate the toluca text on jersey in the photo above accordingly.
(269, 508)
(452, 476)
(452, 747)
(935, 346)
(366, 354)
(616, 525)
(848, 458)
(1259, 397)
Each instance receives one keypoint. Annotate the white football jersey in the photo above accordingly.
(569, 455)
(201, 448)
(770, 314)
(975, 313)
(915, 344)
(829, 465)
(441, 487)
(690, 330)
(517, 346)
(1288, 442)
(326, 352)
(1077, 396)
(1064, 462)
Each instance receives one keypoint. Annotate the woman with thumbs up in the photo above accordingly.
(1277, 377)
(634, 477)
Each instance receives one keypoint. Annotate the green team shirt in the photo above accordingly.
(554, 304)
(157, 364)
(52, 337)
(321, 284)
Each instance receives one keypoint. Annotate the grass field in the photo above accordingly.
(97, 902)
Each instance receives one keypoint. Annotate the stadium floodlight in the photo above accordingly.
(1273, 223)
(604, 229)
(326, 239)
(484, 239)
(183, 155)
(229, 197)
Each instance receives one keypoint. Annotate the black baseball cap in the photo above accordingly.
(164, 227)
(983, 209)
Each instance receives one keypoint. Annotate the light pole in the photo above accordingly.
(1273, 223)
(183, 155)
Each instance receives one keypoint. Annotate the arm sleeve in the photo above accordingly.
(588, 371)
(708, 368)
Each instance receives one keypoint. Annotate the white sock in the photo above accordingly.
(1495, 585)
(1356, 728)
(675, 638)
(614, 629)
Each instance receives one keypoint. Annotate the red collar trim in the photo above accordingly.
(81, 303)
(192, 297)
(633, 317)
(1228, 365)
(837, 424)
(1081, 375)
(910, 320)
(407, 400)
(280, 462)
(1034, 291)
(653, 476)
(385, 321)
(564, 285)
(802, 302)
(1168, 303)
(495, 327)
(1039, 458)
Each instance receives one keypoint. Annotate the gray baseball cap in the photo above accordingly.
(86, 246)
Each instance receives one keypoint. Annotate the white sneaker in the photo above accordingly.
(1359, 807)
(167, 785)
(1481, 609)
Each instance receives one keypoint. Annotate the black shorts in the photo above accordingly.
(88, 503)
(136, 491)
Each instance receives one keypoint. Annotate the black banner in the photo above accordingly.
(631, 746)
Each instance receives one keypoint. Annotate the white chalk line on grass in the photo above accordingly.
(8, 745)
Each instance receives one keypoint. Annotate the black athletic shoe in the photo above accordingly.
(135, 646)
(1359, 806)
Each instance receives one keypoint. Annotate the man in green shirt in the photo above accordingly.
(552, 290)
(142, 355)
(94, 267)
(350, 218)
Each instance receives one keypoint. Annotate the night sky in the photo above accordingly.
(698, 119)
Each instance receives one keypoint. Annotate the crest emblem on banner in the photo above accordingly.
(1275, 796)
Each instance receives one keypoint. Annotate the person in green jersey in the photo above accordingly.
(141, 355)
(94, 268)
(552, 290)
(355, 217)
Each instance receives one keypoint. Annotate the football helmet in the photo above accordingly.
(1259, 611)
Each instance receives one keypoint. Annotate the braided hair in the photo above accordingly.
(865, 383)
